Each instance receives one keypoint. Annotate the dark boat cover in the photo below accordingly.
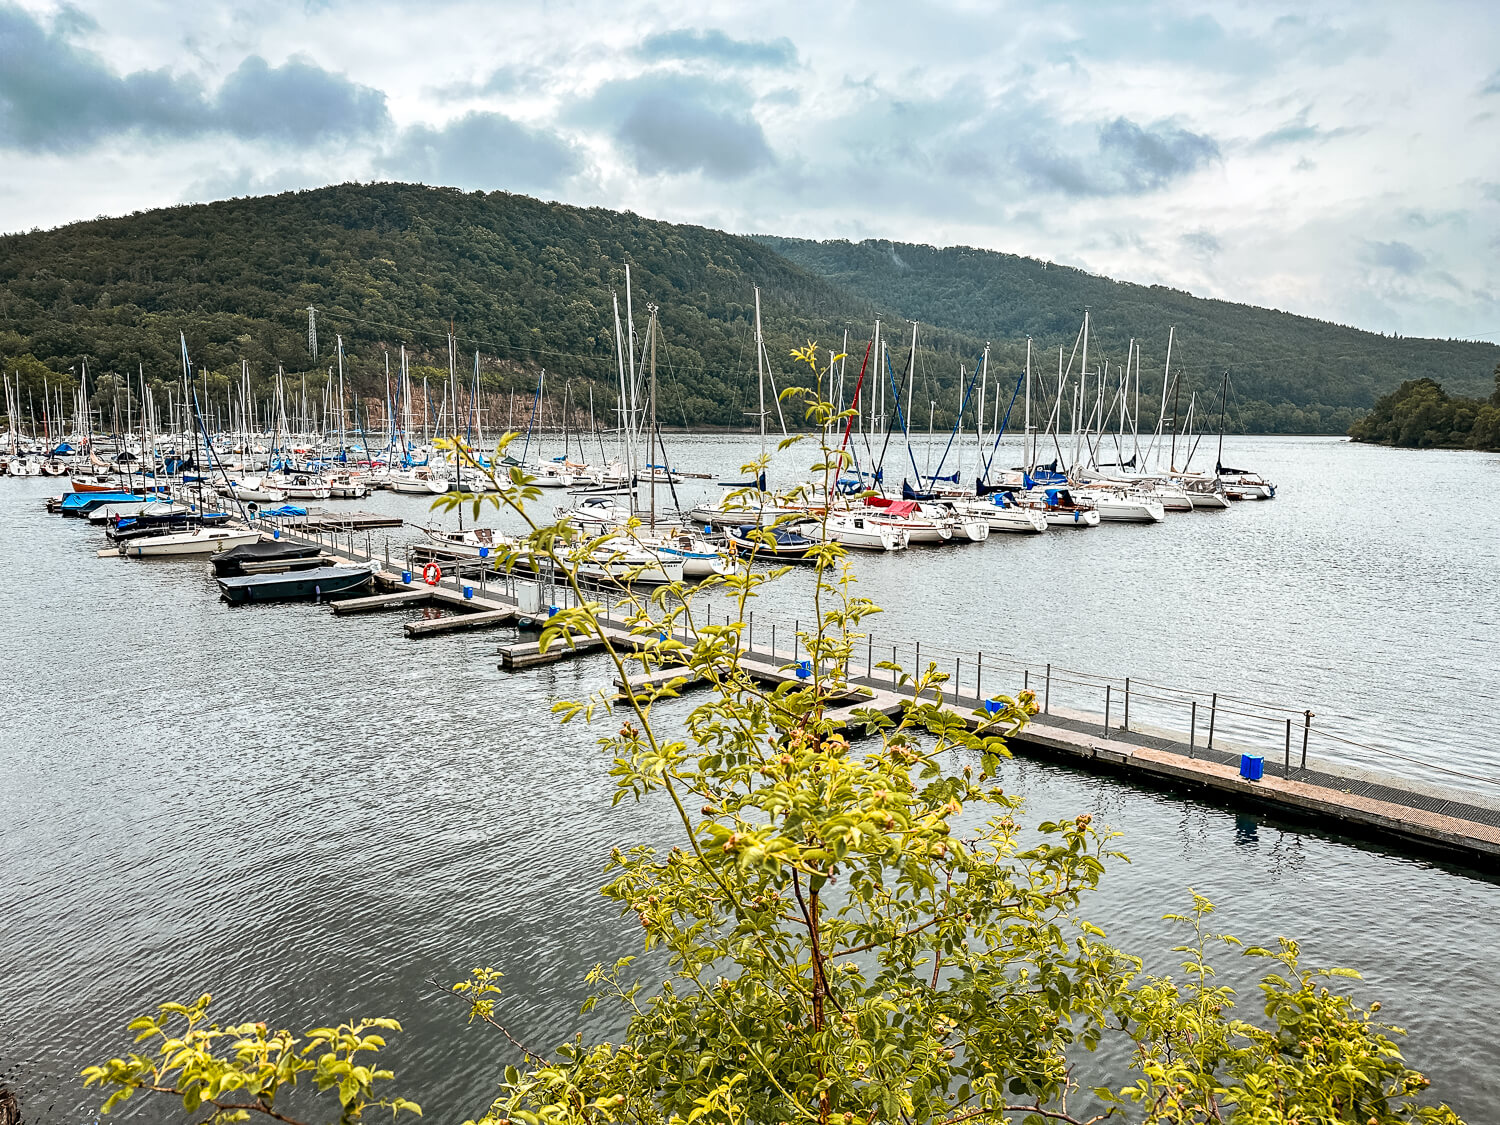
(267, 550)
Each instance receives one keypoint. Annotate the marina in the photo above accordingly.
(1422, 815)
(391, 539)
(1188, 820)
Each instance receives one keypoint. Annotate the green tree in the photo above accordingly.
(863, 935)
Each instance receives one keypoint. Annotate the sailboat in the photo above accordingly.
(758, 507)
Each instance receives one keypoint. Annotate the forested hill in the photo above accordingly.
(528, 284)
(1289, 373)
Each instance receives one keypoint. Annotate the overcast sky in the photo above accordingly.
(1339, 160)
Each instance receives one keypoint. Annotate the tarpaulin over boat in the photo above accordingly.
(895, 507)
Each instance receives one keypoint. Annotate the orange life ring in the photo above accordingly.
(432, 574)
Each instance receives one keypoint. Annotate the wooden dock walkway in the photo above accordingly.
(1345, 800)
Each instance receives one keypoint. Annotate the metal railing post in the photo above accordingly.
(870, 655)
(1126, 724)
(1213, 714)
(1307, 718)
(957, 676)
(1286, 767)
(1047, 693)
(1106, 708)
(1193, 728)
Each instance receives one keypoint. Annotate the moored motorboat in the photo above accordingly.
(250, 558)
(80, 504)
(199, 541)
(144, 527)
(317, 582)
(152, 508)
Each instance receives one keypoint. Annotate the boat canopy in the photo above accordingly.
(895, 507)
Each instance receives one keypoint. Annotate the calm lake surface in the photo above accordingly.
(315, 818)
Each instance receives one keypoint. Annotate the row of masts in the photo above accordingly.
(1091, 413)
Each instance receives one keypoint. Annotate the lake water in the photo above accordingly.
(315, 818)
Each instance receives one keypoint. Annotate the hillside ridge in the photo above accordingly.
(529, 284)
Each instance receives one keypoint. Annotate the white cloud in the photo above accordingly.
(1339, 165)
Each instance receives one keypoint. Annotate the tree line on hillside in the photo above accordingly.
(1419, 414)
(1293, 373)
(531, 285)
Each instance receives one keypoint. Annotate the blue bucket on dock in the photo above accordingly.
(468, 592)
(993, 706)
(406, 576)
(804, 669)
(1252, 767)
(276, 534)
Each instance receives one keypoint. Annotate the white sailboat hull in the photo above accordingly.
(1075, 518)
(203, 541)
(1023, 521)
(860, 533)
(1128, 509)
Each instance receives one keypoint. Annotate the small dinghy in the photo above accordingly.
(268, 554)
(319, 582)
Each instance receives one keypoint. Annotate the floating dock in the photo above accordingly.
(1373, 805)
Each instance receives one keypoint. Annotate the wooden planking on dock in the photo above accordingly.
(322, 519)
(528, 654)
(376, 602)
(1319, 803)
(643, 683)
(461, 622)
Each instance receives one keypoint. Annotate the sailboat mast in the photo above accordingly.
(1223, 413)
(760, 372)
(624, 403)
(651, 338)
(630, 356)
(1028, 451)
